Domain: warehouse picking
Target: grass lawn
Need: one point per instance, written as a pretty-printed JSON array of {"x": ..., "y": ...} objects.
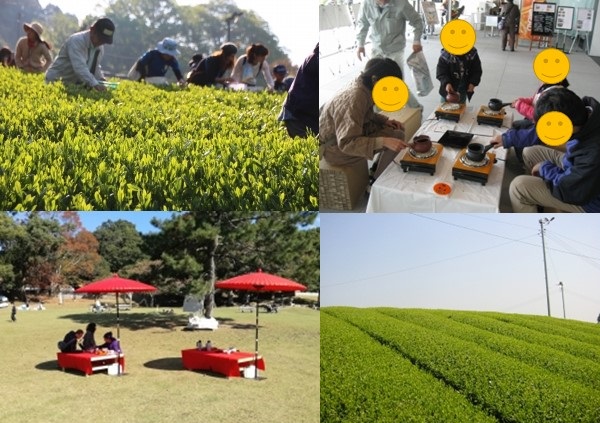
[{"x": 156, "y": 387}]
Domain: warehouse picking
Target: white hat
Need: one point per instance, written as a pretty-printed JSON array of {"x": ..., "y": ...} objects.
[{"x": 168, "y": 46}]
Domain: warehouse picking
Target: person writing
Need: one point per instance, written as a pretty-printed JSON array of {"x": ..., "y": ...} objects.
[
  {"x": 32, "y": 53},
  {"x": 110, "y": 343},
  {"x": 155, "y": 63},
  {"x": 78, "y": 61},
  {"x": 212, "y": 70},
  {"x": 351, "y": 131},
  {"x": 70, "y": 341}
]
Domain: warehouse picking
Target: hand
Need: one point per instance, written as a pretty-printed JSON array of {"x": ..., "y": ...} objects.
[
  {"x": 99, "y": 87},
  {"x": 514, "y": 104},
  {"x": 361, "y": 50},
  {"x": 497, "y": 141},
  {"x": 394, "y": 144},
  {"x": 182, "y": 83},
  {"x": 450, "y": 88},
  {"x": 535, "y": 170},
  {"x": 471, "y": 88},
  {"x": 417, "y": 48},
  {"x": 393, "y": 123}
]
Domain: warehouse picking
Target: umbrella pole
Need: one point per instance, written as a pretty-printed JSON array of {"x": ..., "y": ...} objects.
[
  {"x": 118, "y": 337},
  {"x": 256, "y": 343}
]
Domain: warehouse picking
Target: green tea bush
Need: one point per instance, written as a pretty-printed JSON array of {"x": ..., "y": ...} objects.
[
  {"x": 496, "y": 375},
  {"x": 141, "y": 147}
]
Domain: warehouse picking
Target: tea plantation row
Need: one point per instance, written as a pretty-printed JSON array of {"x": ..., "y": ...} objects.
[
  {"x": 144, "y": 147},
  {"x": 385, "y": 364}
]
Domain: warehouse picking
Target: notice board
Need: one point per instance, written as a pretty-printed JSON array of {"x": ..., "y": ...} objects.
[
  {"x": 564, "y": 17},
  {"x": 585, "y": 19},
  {"x": 430, "y": 12},
  {"x": 542, "y": 20}
]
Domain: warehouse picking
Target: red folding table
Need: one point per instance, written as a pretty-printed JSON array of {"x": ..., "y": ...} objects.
[
  {"x": 88, "y": 363},
  {"x": 228, "y": 364}
]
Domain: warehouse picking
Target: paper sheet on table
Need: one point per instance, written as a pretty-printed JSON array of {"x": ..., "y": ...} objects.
[
  {"x": 444, "y": 126},
  {"x": 486, "y": 131}
]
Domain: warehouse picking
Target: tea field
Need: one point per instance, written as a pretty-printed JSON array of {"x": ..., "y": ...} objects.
[
  {"x": 411, "y": 365},
  {"x": 140, "y": 147}
]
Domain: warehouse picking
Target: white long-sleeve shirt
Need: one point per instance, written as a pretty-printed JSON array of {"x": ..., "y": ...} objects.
[
  {"x": 72, "y": 65},
  {"x": 246, "y": 73}
]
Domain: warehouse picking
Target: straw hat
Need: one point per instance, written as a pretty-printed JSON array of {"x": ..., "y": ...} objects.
[{"x": 35, "y": 27}]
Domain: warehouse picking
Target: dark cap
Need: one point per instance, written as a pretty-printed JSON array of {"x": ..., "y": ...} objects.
[
  {"x": 104, "y": 28},
  {"x": 281, "y": 69},
  {"x": 229, "y": 48}
]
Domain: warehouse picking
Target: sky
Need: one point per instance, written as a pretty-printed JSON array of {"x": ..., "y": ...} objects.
[
  {"x": 462, "y": 262},
  {"x": 294, "y": 22},
  {"x": 141, "y": 219}
]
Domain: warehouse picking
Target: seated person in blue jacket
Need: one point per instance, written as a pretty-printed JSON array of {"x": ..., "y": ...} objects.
[
  {"x": 70, "y": 341},
  {"x": 568, "y": 181},
  {"x": 110, "y": 343},
  {"x": 156, "y": 63}
]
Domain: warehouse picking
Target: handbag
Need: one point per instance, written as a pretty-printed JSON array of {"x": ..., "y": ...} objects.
[
  {"x": 501, "y": 23},
  {"x": 420, "y": 73}
]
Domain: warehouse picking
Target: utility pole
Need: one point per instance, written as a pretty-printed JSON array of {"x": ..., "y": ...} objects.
[
  {"x": 562, "y": 291},
  {"x": 545, "y": 221}
]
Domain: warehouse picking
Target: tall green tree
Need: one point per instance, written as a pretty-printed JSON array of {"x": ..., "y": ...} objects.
[
  {"x": 36, "y": 251},
  {"x": 11, "y": 234},
  {"x": 198, "y": 248},
  {"x": 120, "y": 244}
]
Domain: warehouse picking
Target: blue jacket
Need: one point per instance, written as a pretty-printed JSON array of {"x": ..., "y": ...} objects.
[
  {"x": 578, "y": 181},
  {"x": 152, "y": 63}
]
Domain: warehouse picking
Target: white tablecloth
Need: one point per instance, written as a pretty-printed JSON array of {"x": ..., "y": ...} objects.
[{"x": 412, "y": 191}]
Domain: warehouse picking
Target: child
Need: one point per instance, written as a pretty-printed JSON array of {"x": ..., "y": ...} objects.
[
  {"x": 111, "y": 343},
  {"x": 13, "y": 313},
  {"x": 568, "y": 181},
  {"x": 459, "y": 74}
]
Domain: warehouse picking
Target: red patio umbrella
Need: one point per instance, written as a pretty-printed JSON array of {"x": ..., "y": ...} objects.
[
  {"x": 117, "y": 285},
  {"x": 259, "y": 282}
]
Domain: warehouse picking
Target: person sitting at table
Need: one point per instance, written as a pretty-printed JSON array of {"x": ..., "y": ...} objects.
[
  {"x": 351, "y": 131},
  {"x": 526, "y": 105},
  {"x": 459, "y": 74},
  {"x": 568, "y": 181},
  {"x": 71, "y": 341},
  {"x": 89, "y": 343},
  {"x": 111, "y": 343}
]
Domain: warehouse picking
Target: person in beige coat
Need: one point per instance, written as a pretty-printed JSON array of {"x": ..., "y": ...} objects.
[
  {"x": 350, "y": 130},
  {"x": 32, "y": 52}
]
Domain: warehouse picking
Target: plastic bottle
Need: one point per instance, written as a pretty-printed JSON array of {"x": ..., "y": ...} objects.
[
  {"x": 208, "y": 345},
  {"x": 199, "y": 344}
]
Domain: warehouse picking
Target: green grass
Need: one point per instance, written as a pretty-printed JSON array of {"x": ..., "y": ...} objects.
[
  {"x": 459, "y": 366},
  {"x": 155, "y": 387}
]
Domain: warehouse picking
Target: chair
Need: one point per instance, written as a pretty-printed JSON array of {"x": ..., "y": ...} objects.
[{"x": 340, "y": 188}]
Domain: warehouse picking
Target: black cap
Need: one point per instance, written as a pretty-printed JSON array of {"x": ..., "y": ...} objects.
[
  {"x": 104, "y": 28},
  {"x": 229, "y": 48}
]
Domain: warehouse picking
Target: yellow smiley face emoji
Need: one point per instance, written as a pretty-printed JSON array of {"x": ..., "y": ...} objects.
[
  {"x": 551, "y": 66},
  {"x": 390, "y": 94},
  {"x": 458, "y": 37},
  {"x": 554, "y": 128}
]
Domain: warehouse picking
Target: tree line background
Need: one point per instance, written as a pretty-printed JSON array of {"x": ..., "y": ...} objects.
[
  {"x": 141, "y": 24},
  {"x": 46, "y": 252}
]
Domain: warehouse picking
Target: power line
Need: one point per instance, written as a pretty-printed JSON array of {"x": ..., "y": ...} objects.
[
  {"x": 420, "y": 265},
  {"x": 502, "y": 237}
]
